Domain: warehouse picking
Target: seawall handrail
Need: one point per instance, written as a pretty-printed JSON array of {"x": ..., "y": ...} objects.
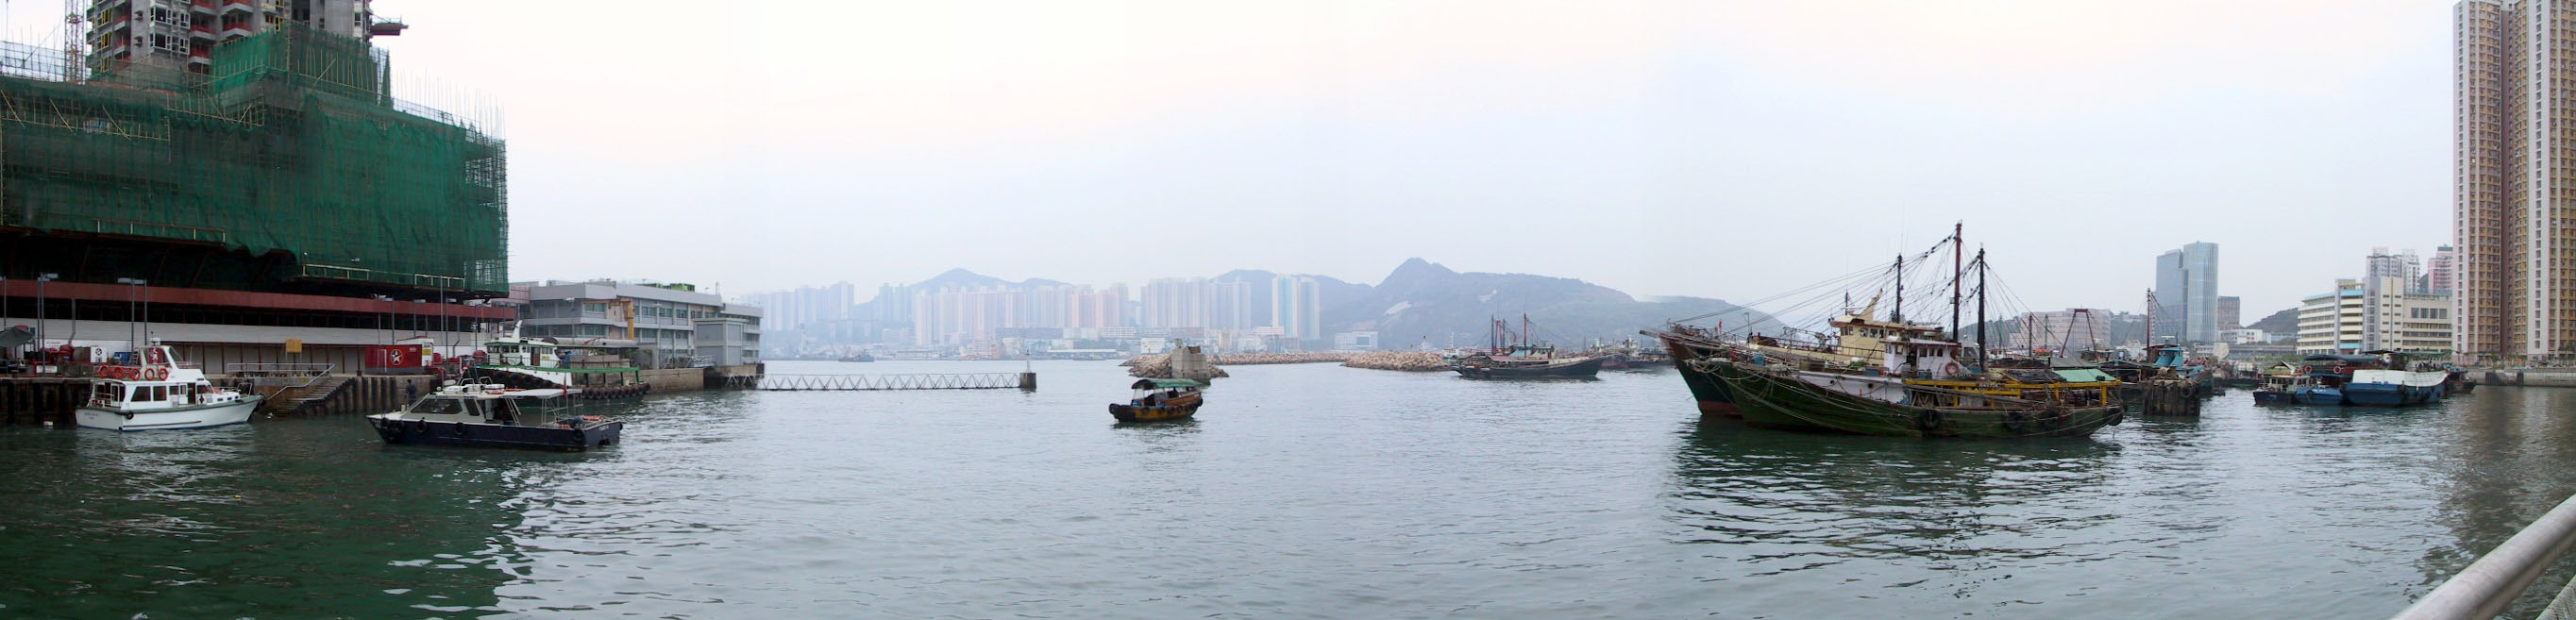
[{"x": 2489, "y": 585}]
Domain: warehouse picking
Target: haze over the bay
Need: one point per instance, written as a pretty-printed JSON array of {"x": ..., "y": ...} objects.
[{"x": 1717, "y": 149}]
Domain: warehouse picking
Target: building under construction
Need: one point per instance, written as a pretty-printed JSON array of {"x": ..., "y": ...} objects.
[{"x": 282, "y": 187}]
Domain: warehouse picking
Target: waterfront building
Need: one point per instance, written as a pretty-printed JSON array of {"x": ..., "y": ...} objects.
[
  {"x": 2072, "y": 329},
  {"x": 1355, "y": 341},
  {"x": 181, "y": 35},
  {"x": 2516, "y": 266},
  {"x": 2187, "y": 294},
  {"x": 2331, "y": 323},
  {"x": 2353, "y": 319},
  {"x": 2243, "y": 336},
  {"x": 663, "y": 317}
]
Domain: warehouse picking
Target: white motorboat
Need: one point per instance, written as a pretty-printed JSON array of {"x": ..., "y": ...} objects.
[{"x": 160, "y": 394}]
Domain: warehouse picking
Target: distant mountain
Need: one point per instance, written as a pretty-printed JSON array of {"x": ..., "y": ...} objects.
[
  {"x": 2283, "y": 322},
  {"x": 958, "y": 278},
  {"x": 1421, "y": 300}
]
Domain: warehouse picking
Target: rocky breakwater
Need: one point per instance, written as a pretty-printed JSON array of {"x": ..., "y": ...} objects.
[{"x": 1408, "y": 361}]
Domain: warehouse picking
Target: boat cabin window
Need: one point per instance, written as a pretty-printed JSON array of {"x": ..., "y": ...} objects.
[
  {"x": 443, "y": 406},
  {"x": 108, "y": 392}
]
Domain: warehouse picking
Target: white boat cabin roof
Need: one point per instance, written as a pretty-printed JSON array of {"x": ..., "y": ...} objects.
[{"x": 490, "y": 391}]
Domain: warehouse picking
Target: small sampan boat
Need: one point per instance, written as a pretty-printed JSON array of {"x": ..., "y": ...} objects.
[{"x": 1160, "y": 399}]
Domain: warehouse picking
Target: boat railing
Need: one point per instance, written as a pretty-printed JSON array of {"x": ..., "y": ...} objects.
[{"x": 2491, "y": 584}]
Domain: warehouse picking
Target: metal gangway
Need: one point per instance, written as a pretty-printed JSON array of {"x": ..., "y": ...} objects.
[
  {"x": 2488, "y": 586},
  {"x": 945, "y": 381},
  {"x": 278, "y": 375}
]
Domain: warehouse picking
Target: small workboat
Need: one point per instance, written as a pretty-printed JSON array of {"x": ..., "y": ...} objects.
[
  {"x": 2277, "y": 390},
  {"x": 160, "y": 394},
  {"x": 1508, "y": 359},
  {"x": 494, "y": 416},
  {"x": 1160, "y": 399}
]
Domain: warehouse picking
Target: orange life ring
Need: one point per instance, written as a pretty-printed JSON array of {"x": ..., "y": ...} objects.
[
  {"x": 1953, "y": 368},
  {"x": 156, "y": 373}
]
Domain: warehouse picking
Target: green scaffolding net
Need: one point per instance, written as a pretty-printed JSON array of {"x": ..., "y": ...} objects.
[{"x": 291, "y": 144}]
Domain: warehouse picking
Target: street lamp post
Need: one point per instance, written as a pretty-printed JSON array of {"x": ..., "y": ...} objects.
[
  {"x": 132, "y": 286},
  {"x": 41, "y": 279}
]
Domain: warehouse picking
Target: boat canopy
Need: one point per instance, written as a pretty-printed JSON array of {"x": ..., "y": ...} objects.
[
  {"x": 2354, "y": 359},
  {"x": 1166, "y": 384},
  {"x": 2085, "y": 375}
]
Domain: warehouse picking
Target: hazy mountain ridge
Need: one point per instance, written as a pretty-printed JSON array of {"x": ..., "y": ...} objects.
[{"x": 1421, "y": 300}]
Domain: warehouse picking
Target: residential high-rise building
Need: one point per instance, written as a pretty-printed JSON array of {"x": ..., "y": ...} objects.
[
  {"x": 2441, "y": 273},
  {"x": 2386, "y": 277},
  {"x": 180, "y": 34},
  {"x": 2187, "y": 294},
  {"x": 1295, "y": 308},
  {"x": 2516, "y": 268},
  {"x": 2385, "y": 264},
  {"x": 805, "y": 306},
  {"x": 2231, "y": 313}
]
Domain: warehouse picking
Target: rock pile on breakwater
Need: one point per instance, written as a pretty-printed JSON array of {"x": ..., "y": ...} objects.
[
  {"x": 1161, "y": 365},
  {"x": 1155, "y": 367},
  {"x": 1248, "y": 359},
  {"x": 1408, "y": 361}
]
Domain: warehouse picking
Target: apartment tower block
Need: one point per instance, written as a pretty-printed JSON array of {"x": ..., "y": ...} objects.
[{"x": 2514, "y": 177}]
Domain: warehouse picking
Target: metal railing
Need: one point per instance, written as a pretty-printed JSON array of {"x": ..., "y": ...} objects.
[
  {"x": 2489, "y": 585},
  {"x": 279, "y": 375},
  {"x": 958, "y": 381}
]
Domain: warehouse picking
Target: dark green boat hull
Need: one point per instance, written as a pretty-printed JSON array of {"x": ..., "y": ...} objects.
[{"x": 1772, "y": 400}]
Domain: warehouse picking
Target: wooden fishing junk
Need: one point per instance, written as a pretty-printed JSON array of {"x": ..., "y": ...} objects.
[{"x": 1890, "y": 376}]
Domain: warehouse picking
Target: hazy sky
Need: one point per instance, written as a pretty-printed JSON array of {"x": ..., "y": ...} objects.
[{"x": 1709, "y": 148}]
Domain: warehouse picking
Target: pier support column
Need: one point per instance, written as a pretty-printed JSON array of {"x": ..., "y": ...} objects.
[{"x": 1029, "y": 381}]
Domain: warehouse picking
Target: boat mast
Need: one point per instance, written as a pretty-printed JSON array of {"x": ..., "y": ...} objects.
[
  {"x": 1957, "y": 273},
  {"x": 1981, "y": 309},
  {"x": 1897, "y": 316}
]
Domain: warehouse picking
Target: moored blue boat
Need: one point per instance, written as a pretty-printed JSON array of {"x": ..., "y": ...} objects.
[{"x": 2380, "y": 379}]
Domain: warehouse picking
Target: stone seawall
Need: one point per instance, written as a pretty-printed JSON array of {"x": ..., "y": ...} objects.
[
  {"x": 676, "y": 380},
  {"x": 2527, "y": 377}
]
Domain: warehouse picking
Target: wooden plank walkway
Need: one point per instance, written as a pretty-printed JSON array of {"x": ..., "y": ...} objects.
[{"x": 853, "y": 383}]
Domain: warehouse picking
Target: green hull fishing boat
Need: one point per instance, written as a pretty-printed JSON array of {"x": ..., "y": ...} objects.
[{"x": 1874, "y": 376}]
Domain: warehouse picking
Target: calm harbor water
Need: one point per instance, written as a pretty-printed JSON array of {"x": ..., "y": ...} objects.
[{"x": 1301, "y": 491}]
